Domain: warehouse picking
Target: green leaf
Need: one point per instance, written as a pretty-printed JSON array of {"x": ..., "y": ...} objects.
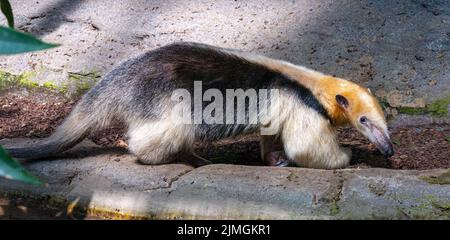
[
  {"x": 447, "y": 138},
  {"x": 12, "y": 41},
  {"x": 7, "y": 11},
  {"x": 11, "y": 169}
]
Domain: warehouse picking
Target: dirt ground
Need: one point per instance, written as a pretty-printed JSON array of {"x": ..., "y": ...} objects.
[{"x": 416, "y": 147}]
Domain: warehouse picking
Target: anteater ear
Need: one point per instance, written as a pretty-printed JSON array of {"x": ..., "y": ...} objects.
[{"x": 342, "y": 101}]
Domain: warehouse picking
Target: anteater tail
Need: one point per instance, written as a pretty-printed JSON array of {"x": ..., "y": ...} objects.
[{"x": 74, "y": 129}]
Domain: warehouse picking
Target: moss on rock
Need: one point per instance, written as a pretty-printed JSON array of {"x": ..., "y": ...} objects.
[
  {"x": 438, "y": 108},
  {"x": 411, "y": 110},
  {"x": 76, "y": 84},
  {"x": 440, "y": 179},
  {"x": 334, "y": 208},
  {"x": 426, "y": 207},
  {"x": 24, "y": 80},
  {"x": 445, "y": 207},
  {"x": 50, "y": 86},
  {"x": 83, "y": 81}
]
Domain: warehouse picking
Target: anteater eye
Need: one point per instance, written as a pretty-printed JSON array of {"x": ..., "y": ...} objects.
[{"x": 363, "y": 120}]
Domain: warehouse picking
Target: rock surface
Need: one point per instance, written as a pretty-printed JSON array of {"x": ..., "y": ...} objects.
[
  {"x": 90, "y": 182},
  {"x": 400, "y": 49}
]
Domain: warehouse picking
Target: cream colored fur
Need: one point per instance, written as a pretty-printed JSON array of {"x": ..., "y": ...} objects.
[
  {"x": 309, "y": 140},
  {"x": 158, "y": 142}
]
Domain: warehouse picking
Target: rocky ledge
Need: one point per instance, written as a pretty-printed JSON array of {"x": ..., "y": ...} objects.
[{"x": 93, "y": 182}]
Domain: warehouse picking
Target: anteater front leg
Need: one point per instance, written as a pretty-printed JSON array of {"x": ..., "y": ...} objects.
[
  {"x": 310, "y": 141},
  {"x": 314, "y": 145}
]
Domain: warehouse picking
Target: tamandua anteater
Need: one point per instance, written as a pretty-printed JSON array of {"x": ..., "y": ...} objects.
[{"x": 139, "y": 92}]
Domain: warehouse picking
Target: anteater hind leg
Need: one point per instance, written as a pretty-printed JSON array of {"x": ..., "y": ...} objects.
[
  {"x": 159, "y": 142},
  {"x": 272, "y": 152}
]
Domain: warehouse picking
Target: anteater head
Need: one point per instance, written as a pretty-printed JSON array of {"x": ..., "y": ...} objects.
[{"x": 364, "y": 112}]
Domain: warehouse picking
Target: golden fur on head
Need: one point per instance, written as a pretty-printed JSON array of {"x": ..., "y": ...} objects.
[
  {"x": 325, "y": 88},
  {"x": 361, "y": 101}
]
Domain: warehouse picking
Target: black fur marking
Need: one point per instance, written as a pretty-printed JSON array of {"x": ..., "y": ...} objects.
[{"x": 305, "y": 95}]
